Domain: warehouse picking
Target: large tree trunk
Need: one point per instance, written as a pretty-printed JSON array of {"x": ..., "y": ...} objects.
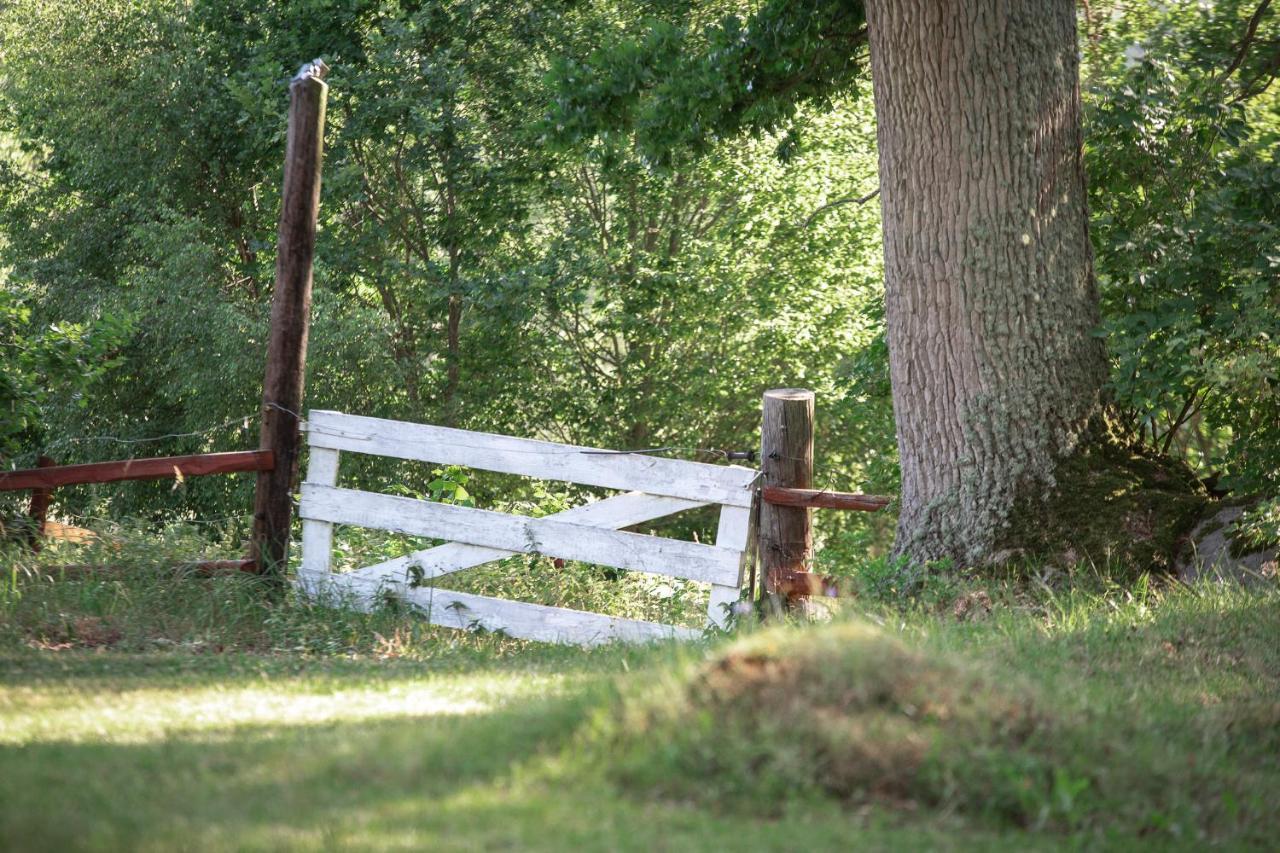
[{"x": 990, "y": 297}]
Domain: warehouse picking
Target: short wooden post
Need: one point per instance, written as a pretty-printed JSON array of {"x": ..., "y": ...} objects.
[
  {"x": 39, "y": 510},
  {"x": 290, "y": 316},
  {"x": 786, "y": 457}
]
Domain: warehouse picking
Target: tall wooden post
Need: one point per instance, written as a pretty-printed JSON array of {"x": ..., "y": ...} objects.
[
  {"x": 786, "y": 457},
  {"x": 39, "y": 510},
  {"x": 290, "y": 315}
]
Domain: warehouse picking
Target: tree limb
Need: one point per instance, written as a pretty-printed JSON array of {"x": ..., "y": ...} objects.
[
  {"x": 851, "y": 200},
  {"x": 1250, "y": 31}
]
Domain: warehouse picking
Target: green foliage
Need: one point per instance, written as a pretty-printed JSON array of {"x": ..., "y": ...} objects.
[
  {"x": 1258, "y": 528},
  {"x": 683, "y": 86},
  {"x": 611, "y": 223},
  {"x": 34, "y": 361},
  {"x": 1186, "y": 223},
  {"x": 465, "y": 274}
]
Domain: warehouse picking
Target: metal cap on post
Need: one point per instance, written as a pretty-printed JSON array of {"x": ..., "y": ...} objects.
[
  {"x": 290, "y": 315},
  {"x": 786, "y": 460}
]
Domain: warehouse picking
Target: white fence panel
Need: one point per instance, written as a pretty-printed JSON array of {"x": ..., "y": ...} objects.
[
  {"x": 591, "y": 533},
  {"x": 735, "y": 522},
  {"x": 514, "y": 618},
  {"x": 611, "y": 513}
]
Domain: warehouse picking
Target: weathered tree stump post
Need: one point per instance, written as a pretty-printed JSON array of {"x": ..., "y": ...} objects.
[
  {"x": 290, "y": 316},
  {"x": 786, "y": 458},
  {"x": 39, "y": 510}
]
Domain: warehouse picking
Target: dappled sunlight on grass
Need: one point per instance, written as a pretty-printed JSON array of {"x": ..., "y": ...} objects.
[
  {"x": 281, "y": 760},
  {"x": 1160, "y": 706},
  {"x": 139, "y": 716}
]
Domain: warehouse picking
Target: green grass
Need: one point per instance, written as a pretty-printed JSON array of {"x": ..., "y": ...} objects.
[
  {"x": 159, "y": 713},
  {"x": 116, "y": 751},
  {"x": 1096, "y": 721}
]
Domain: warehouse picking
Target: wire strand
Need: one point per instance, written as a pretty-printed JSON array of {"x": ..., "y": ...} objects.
[{"x": 63, "y": 442}]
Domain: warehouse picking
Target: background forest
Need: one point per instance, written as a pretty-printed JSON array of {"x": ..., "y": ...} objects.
[
  {"x": 616, "y": 223},
  {"x": 483, "y": 264}
]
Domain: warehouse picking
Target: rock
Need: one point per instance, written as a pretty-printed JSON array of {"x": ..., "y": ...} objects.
[{"x": 1208, "y": 553}]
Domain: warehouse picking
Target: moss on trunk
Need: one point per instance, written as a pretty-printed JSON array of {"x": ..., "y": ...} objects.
[{"x": 1122, "y": 508}]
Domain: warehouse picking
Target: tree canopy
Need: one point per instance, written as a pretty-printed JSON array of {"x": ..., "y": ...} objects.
[{"x": 613, "y": 223}]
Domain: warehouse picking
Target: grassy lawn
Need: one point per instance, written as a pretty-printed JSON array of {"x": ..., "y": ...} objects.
[
  {"x": 119, "y": 751},
  {"x": 1165, "y": 712}
]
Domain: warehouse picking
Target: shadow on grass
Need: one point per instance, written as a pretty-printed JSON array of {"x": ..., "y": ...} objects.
[
  {"x": 164, "y": 669},
  {"x": 508, "y": 779},
  {"x": 269, "y": 786}
]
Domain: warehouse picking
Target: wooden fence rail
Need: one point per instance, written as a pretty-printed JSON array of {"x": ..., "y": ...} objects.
[
  {"x": 47, "y": 477},
  {"x": 197, "y": 465},
  {"x": 823, "y": 499}
]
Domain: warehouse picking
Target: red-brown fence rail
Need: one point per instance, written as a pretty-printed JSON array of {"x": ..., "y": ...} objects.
[
  {"x": 49, "y": 476},
  {"x": 197, "y": 465},
  {"x": 822, "y": 499}
]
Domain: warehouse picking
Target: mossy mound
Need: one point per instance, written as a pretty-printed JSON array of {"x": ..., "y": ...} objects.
[
  {"x": 842, "y": 710},
  {"x": 1118, "y": 507}
]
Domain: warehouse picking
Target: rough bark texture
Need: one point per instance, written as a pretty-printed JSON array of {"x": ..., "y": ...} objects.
[
  {"x": 786, "y": 459},
  {"x": 990, "y": 296},
  {"x": 290, "y": 318}
]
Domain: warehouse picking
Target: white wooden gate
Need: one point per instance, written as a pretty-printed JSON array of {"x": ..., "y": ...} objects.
[{"x": 653, "y": 487}]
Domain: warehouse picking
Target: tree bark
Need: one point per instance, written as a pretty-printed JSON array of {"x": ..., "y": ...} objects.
[
  {"x": 990, "y": 297},
  {"x": 282, "y": 385},
  {"x": 786, "y": 459}
]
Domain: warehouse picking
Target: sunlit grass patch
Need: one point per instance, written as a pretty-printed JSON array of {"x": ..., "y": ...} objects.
[{"x": 142, "y": 715}]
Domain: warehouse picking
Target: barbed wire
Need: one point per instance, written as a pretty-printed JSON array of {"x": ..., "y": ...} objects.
[
  {"x": 726, "y": 455},
  {"x": 271, "y": 404},
  {"x": 243, "y": 420},
  {"x": 27, "y": 458}
]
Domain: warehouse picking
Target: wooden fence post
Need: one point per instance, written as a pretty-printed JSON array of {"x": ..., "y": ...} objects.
[
  {"x": 786, "y": 458},
  {"x": 39, "y": 510},
  {"x": 290, "y": 315}
]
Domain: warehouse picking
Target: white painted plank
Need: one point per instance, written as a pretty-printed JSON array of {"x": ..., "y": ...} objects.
[
  {"x": 722, "y": 598},
  {"x": 611, "y": 514},
  {"x": 696, "y": 481},
  {"x": 566, "y": 539},
  {"x": 731, "y": 533},
  {"x": 317, "y": 536},
  {"x": 517, "y": 619},
  {"x": 734, "y": 526}
]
